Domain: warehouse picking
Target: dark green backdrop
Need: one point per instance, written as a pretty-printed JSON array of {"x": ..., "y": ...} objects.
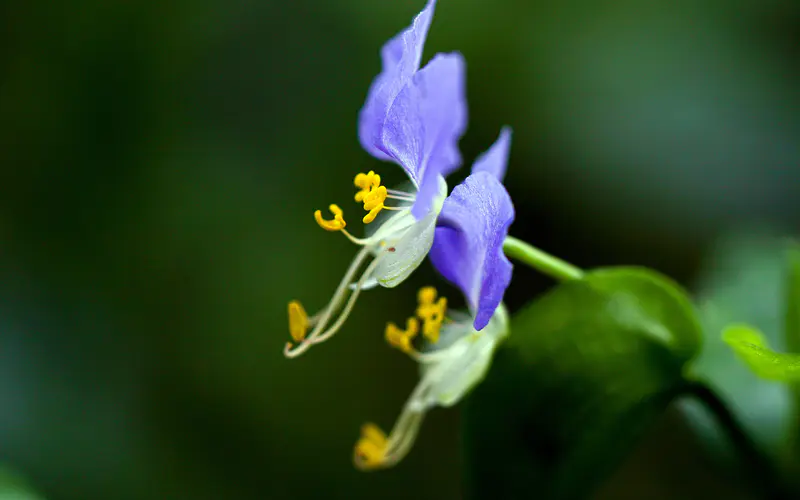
[{"x": 160, "y": 163}]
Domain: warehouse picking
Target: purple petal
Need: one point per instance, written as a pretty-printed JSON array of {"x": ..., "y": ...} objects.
[
  {"x": 495, "y": 159},
  {"x": 426, "y": 120},
  {"x": 401, "y": 59},
  {"x": 416, "y": 117},
  {"x": 468, "y": 244},
  {"x": 440, "y": 90}
]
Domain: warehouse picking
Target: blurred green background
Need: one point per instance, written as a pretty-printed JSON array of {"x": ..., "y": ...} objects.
[{"x": 161, "y": 162}]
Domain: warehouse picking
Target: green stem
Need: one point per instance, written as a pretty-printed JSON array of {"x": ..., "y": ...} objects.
[
  {"x": 759, "y": 466},
  {"x": 541, "y": 261}
]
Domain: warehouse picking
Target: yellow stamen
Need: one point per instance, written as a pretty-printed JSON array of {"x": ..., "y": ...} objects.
[
  {"x": 365, "y": 182},
  {"x": 426, "y": 295},
  {"x": 373, "y": 202},
  {"x": 371, "y": 193},
  {"x": 431, "y": 312},
  {"x": 298, "y": 321},
  {"x": 401, "y": 339},
  {"x": 335, "y": 224},
  {"x": 323, "y": 329},
  {"x": 376, "y": 450},
  {"x": 370, "y": 450}
]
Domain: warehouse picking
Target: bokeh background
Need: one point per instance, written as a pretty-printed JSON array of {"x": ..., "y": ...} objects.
[{"x": 161, "y": 161}]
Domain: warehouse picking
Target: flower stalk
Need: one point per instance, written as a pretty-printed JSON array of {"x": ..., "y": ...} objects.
[{"x": 540, "y": 260}]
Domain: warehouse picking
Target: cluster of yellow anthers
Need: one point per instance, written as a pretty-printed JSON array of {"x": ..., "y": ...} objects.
[
  {"x": 374, "y": 449},
  {"x": 430, "y": 309},
  {"x": 432, "y": 313},
  {"x": 371, "y": 194}
]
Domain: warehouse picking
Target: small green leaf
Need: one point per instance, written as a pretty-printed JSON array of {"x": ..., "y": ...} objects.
[
  {"x": 752, "y": 348},
  {"x": 587, "y": 368}
]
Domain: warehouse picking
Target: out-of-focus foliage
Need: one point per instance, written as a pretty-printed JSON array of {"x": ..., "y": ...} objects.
[
  {"x": 753, "y": 348},
  {"x": 744, "y": 282},
  {"x": 793, "y": 344},
  {"x": 13, "y": 487},
  {"x": 765, "y": 288},
  {"x": 754, "y": 351},
  {"x": 589, "y": 367}
]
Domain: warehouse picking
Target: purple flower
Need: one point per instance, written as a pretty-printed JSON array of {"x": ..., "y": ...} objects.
[
  {"x": 415, "y": 117},
  {"x": 473, "y": 224},
  {"x": 468, "y": 251},
  {"x": 412, "y": 117}
]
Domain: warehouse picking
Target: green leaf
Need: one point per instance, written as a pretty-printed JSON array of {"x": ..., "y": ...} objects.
[
  {"x": 587, "y": 368},
  {"x": 752, "y": 348}
]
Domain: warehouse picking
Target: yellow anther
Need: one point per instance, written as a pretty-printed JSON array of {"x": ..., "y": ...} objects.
[
  {"x": 370, "y": 450},
  {"x": 430, "y": 309},
  {"x": 375, "y": 204},
  {"x": 375, "y": 198},
  {"x": 372, "y": 214},
  {"x": 365, "y": 182},
  {"x": 371, "y": 193},
  {"x": 401, "y": 339},
  {"x": 335, "y": 224},
  {"x": 426, "y": 295},
  {"x": 431, "y": 312},
  {"x": 298, "y": 321}
]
